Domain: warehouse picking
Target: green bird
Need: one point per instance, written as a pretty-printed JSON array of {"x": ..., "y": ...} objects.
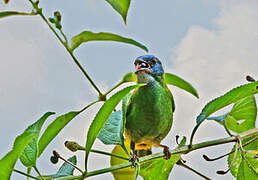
[{"x": 149, "y": 114}]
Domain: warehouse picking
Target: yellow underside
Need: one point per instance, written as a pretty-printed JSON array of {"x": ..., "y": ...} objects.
[{"x": 143, "y": 144}]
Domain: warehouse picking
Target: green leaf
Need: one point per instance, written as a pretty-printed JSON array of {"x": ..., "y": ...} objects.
[
  {"x": 156, "y": 169},
  {"x": 239, "y": 160},
  {"x": 159, "y": 168},
  {"x": 244, "y": 110},
  {"x": 9, "y": 160},
  {"x": 102, "y": 116},
  {"x": 66, "y": 169},
  {"x": 230, "y": 97},
  {"x": 54, "y": 128},
  {"x": 12, "y": 13},
  {"x": 87, "y": 36},
  {"x": 247, "y": 169},
  {"x": 125, "y": 173},
  {"x": 30, "y": 153},
  {"x": 180, "y": 83},
  {"x": 129, "y": 77},
  {"x": 121, "y": 6},
  {"x": 170, "y": 79},
  {"x": 112, "y": 132}
]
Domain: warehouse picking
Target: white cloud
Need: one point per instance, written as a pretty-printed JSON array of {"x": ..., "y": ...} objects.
[
  {"x": 215, "y": 61},
  {"x": 222, "y": 57}
]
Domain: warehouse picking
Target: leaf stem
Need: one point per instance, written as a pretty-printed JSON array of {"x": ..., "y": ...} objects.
[
  {"x": 109, "y": 154},
  {"x": 28, "y": 172},
  {"x": 36, "y": 169},
  {"x": 86, "y": 107},
  {"x": 180, "y": 163},
  {"x": 25, "y": 174},
  {"x": 39, "y": 11},
  {"x": 217, "y": 158},
  {"x": 116, "y": 86}
]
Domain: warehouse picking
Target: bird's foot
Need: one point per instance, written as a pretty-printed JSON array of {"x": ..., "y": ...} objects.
[
  {"x": 167, "y": 154},
  {"x": 133, "y": 159}
]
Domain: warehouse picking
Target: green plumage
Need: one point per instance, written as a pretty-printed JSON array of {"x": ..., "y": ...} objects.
[{"x": 149, "y": 114}]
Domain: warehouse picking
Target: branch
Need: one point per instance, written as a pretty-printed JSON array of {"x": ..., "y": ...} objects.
[
  {"x": 182, "y": 150},
  {"x": 64, "y": 43}
]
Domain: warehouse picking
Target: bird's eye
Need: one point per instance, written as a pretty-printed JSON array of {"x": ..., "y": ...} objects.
[{"x": 144, "y": 65}]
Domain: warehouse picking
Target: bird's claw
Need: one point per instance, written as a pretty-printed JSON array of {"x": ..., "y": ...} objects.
[
  {"x": 167, "y": 154},
  {"x": 133, "y": 159}
]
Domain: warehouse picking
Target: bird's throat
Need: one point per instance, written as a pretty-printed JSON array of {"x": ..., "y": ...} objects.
[{"x": 144, "y": 78}]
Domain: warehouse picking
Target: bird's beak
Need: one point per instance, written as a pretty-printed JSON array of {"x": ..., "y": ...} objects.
[{"x": 141, "y": 66}]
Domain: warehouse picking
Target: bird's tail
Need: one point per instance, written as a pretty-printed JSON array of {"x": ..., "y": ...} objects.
[{"x": 143, "y": 152}]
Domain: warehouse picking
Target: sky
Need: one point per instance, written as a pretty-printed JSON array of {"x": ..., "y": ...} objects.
[{"x": 212, "y": 44}]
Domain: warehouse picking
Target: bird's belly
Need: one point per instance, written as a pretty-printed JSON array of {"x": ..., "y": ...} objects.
[{"x": 150, "y": 118}]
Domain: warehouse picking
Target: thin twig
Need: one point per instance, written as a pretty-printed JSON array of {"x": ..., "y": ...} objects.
[
  {"x": 36, "y": 169},
  {"x": 180, "y": 163},
  {"x": 39, "y": 11},
  {"x": 108, "y": 154},
  {"x": 89, "y": 105},
  {"x": 232, "y": 162},
  {"x": 25, "y": 174},
  {"x": 217, "y": 158},
  {"x": 68, "y": 162}
]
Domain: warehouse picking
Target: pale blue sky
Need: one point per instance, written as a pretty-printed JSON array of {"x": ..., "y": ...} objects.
[{"x": 212, "y": 44}]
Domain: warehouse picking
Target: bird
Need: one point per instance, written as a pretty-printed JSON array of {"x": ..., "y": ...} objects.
[{"x": 149, "y": 113}]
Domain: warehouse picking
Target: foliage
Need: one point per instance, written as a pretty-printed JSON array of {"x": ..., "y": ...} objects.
[
  {"x": 108, "y": 126},
  {"x": 87, "y": 36}
]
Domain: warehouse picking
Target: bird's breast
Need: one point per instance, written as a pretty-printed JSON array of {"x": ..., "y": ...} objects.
[{"x": 150, "y": 114}]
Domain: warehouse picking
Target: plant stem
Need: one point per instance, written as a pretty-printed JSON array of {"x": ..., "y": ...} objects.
[
  {"x": 180, "y": 163},
  {"x": 39, "y": 11},
  {"x": 109, "y": 154},
  {"x": 25, "y": 174},
  {"x": 116, "y": 86},
  {"x": 182, "y": 150},
  {"x": 86, "y": 107},
  {"x": 28, "y": 172},
  {"x": 65, "y": 38},
  {"x": 36, "y": 169}
]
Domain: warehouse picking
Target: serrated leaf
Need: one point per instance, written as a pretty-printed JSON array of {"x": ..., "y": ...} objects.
[
  {"x": 174, "y": 80},
  {"x": 230, "y": 97},
  {"x": 245, "y": 169},
  {"x": 54, "y": 128},
  {"x": 112, "y": 132},
  {"x": 12, "y": 13},
  {"x": 125, "y": 173},
  {"x": 158, "y": 169},
  {"x": 238, "y": 161},
  {"x": 242, "y": 116},
  {"x": 30, "y": 153},
  {"x": 244, "y": 110},
  {"x": 102, "y": 116},
  {"x": 9, "y": 160},
  {"x": 87, "y": 36},
  {"x": 66, "y": 169},
  {"x": 121, "y": 6}
]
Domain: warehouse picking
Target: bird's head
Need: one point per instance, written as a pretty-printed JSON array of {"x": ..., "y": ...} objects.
[{"x": 148, "y": 68}]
